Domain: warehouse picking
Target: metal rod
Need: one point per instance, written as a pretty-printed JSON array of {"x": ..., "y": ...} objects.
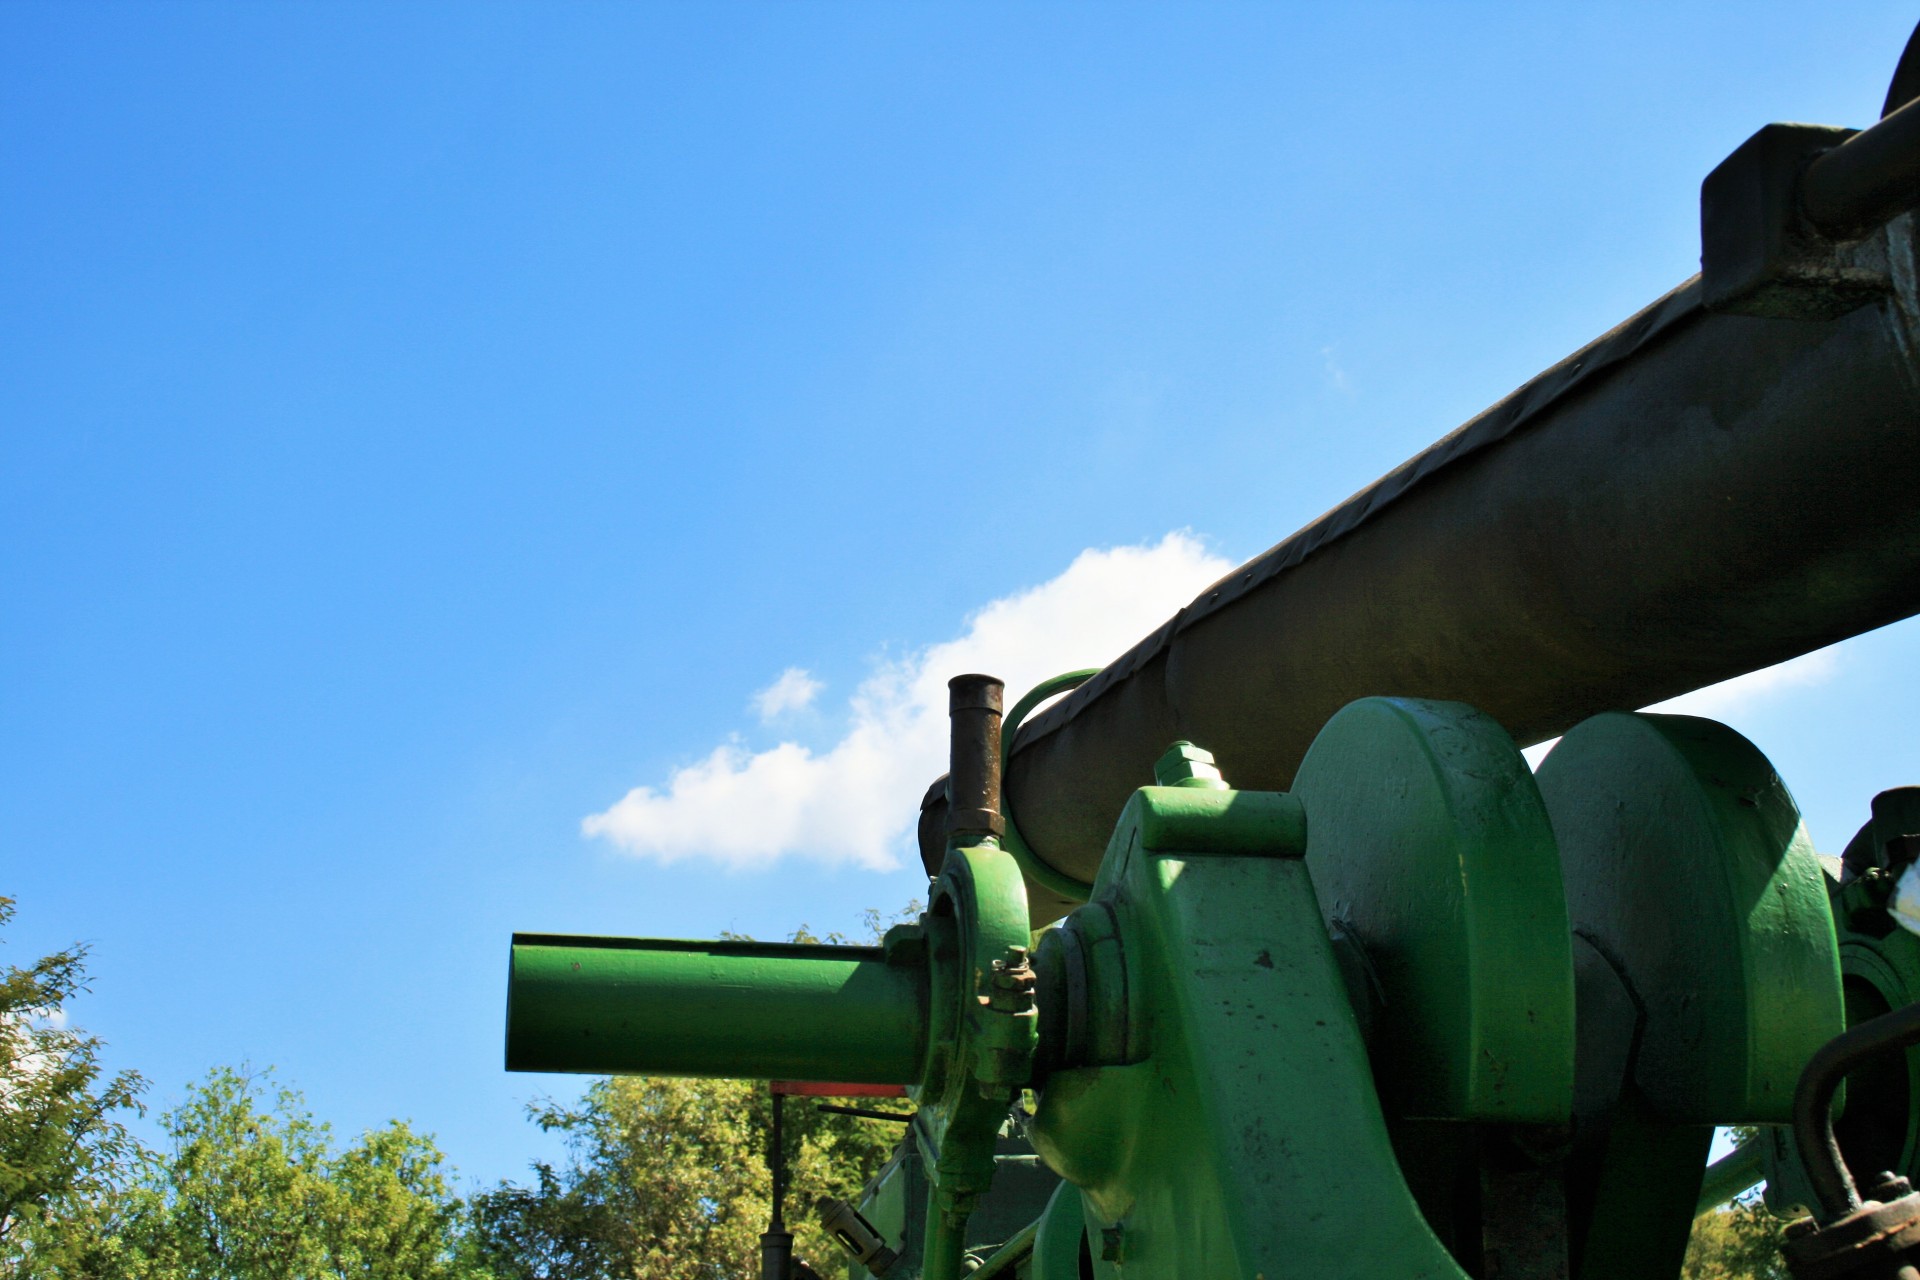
[
  {"x": 776, "y": 1242},
  {"x": 1869, "y": 178},
  {"x": 1001, "y": 1260},
  {"x": 1813, "y": 1133},
  {"x": 865, "y": 1113},
  {"x": 777, "y": 1166},
  {"x": 974, "y": 704},
  {"x": 1732, "y": 1174}
]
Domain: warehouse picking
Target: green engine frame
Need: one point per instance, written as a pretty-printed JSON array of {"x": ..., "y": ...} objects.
[{"x": 1429, "y": 1013}]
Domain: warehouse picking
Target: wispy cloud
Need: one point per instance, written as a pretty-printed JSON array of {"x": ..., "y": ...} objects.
[
  {"x": 793, "y": 691},
  {"x": 856, "y": 800},
  {"x": 1336, "y": 376},
  {"x": 1731, "y": 699}
]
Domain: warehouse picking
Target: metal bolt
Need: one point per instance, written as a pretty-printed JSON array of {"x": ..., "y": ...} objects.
[
  {"x": 1010, "y": 984},
  {"x": 1185, "y": 765}
]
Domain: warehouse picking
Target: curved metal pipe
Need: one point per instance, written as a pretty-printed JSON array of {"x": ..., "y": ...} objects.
[
  {"x": 1827, "y": 1170},
  {"x": 1869, "y": 178}
]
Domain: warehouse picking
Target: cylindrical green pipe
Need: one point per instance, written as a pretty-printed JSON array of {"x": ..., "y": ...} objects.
[{"x": 754, "y": 1010}]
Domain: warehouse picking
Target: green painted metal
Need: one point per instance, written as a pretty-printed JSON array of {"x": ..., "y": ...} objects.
[
  {"x": 749, "y": 1009},
  {"x": 982, "y": 1052},
  {"x": 895, "y": 1203},
  {"x": 1429, "y": 845},
  {"x": 1249, "y": 1141},
  {"x": 1062, "y": 1237},
  {"x": 1205, "y": 820},
  {"x": 1185, "y": 765},
  {"x": 1687, "y": 866},
  {"x": 1311, "y": 1035},
  {"x": 1004, "y": 1260},
  {"x": 1733, "y": 1173}
]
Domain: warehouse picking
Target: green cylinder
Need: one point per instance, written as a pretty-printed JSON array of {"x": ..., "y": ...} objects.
[{"x": 750, "y": 1010}]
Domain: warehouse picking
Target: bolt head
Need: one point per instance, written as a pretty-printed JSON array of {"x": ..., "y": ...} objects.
[{"x": 1185, "y": 765}]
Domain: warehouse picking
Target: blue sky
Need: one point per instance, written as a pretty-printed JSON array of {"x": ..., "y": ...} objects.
[{"x": 425, "y": 425}]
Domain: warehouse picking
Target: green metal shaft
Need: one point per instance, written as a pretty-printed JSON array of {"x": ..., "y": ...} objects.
[
  {"x": 1732, "y": 1174},
  {"x": 647, "y": 1006}
]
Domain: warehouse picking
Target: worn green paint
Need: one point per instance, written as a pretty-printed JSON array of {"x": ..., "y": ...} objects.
[
  {"x": 1202, "y": 820},
  {"x": 1249, "y": 1141},
  {"x": 745, "y": 1009},
  {"x": 1687, "y": 866},
  {"x": 1220, "y": 1111},
  {"x": 1061, "y": 1238},
  {"x": 981, "y": 1054},
  {"x": 1428, "y": 843}
]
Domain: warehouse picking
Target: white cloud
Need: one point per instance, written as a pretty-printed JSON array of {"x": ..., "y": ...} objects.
[
  {"x": 793, "y": 691},
  {"x": 857, "y": 800},
  {"x": 1731, "y": 699}
]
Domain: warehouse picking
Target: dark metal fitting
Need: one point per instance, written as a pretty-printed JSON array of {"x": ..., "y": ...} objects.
[
  {"x": 1832, "y": 1182},
  {"x": 1011, "y": 983},
  {"x": 1887, "y": 1187},
  {"x": 858, "y": 1237},
  {"x": 1872, "y": 176},
  {"x": 1014, "y": 961},
  {"x": 1760, "y": 253},
  {"x": 1874, "y": 1242},
  {"x": 979, "y": 821},
  {"x": 973, "y": 776},
  {"x": 975, "y": 692},
  {"x": 1896, "y": 827}
]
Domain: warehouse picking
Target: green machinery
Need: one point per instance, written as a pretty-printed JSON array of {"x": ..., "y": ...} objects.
[{"x": 1348, "y": 989}]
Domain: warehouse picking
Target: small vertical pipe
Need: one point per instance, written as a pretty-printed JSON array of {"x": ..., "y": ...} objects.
[
  {"x": 776, "y": 1243},
  {"x": 973, "y": 779}
]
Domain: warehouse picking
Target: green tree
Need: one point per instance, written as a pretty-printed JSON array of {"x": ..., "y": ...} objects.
[
  {"x": 668, "y": 1179},
  {"x": 250, "y": 1188},
  {"x": 1738, "y": 1242},
  {"x": 63, "y": 1148}
]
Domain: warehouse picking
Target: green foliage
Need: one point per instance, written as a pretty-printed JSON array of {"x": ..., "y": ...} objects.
[
  {"x": 251, "y": 1189},
  {"x": 668, "y": 1179},
  {"x": 664, "y": 1178},
  {"x": 62, "y": 1146},
  {"x": 1739, "y": 1242}
]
